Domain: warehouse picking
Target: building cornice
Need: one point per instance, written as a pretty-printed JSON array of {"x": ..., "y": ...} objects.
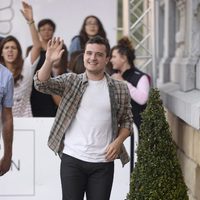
[{"x": 185, "y": 105}]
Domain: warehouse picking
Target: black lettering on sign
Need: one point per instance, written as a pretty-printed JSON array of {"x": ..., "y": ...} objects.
[{"x": 15, "y": 165}]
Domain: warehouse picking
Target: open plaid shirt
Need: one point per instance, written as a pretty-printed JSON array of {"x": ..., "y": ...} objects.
[{"x": 71, "y": 88}]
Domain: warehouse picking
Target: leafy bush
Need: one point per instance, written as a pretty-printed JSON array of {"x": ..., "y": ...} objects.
[{"x": 157, "y": 174}]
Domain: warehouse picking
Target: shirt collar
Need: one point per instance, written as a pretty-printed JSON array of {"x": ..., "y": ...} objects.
[{"x": 108, "y": 78}]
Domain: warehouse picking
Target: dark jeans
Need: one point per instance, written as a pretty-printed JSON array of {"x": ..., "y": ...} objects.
[{"x": 78, "y": 177}]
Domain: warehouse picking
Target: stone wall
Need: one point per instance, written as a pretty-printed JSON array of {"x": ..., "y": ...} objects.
[
  {"x": 188, "y": 143},
  {"x": 179, "y": 82}
]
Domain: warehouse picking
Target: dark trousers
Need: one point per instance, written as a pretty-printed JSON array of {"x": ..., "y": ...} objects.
[{"x": 79, "y": 177}]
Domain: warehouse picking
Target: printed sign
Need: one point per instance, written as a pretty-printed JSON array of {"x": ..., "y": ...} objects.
[
  {"x": 35, "y": 169},
  {"x": 22, "y": 167}
]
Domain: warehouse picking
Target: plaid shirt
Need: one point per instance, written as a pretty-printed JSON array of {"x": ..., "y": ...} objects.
[{"x": 71, "y": 88}]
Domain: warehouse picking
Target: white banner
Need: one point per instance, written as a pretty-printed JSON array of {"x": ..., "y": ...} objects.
[
  {"x": 23, "y": 166},
  {"x": 35, "y": 170}
]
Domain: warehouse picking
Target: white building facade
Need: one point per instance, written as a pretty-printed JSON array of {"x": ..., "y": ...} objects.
[
  {"x": 178, "y": 78},
  {"x": 174, "y": 52}
]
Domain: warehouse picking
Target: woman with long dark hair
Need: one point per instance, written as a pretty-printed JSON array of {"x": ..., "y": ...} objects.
[
  {"x": 22, "y": 69},
  {"x": 91, "y": 27}
]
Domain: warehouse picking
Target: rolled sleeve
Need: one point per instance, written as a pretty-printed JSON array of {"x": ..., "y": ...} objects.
[
  {"x": 52, "y": 86},
  {"x": 41, "y": 86},
  {"x": 126, "y": 120}
]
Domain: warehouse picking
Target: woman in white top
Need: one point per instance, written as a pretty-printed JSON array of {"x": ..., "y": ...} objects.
[{"x": 23, "y": 70}]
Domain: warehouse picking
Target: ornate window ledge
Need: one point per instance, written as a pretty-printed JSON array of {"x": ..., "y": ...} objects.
[{"x": 185, "y": 105}]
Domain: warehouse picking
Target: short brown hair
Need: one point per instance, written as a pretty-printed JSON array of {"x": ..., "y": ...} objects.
[{"x": 100, "y": 40}]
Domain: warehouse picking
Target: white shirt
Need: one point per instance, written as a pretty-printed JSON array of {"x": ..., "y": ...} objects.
[
  {"x": 91, "y": 130},
  {"x": 22, "y": 91}
]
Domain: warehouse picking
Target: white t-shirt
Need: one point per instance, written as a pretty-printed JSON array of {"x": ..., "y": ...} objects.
[
  {"x": 22, "y": 91},
  {"x": 91, "y": 130}
]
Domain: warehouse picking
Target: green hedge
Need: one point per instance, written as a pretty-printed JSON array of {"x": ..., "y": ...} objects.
[{"x": 157, "y": 174}]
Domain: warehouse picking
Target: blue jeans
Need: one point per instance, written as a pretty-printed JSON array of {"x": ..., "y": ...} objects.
[{"x": 79, "y": 177}]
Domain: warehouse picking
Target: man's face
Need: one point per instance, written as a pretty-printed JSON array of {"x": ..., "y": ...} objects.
[{"x": 95, "y": 58}]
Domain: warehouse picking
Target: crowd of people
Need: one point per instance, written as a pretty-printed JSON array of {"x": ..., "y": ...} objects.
[{"x": 95, "y": 94}]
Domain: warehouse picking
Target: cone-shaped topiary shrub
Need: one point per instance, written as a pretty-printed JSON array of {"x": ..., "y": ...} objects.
[{"x": 157, "y": 174}]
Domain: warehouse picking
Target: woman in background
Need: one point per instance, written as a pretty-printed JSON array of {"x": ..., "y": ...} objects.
[
  {"x": 91, "y": 27},
  {"x": 122, "y": 59},
  {"x": 23, "y": 70},
  {"x": 45, "y": 105},
  {"x": 76, "y": 63}
]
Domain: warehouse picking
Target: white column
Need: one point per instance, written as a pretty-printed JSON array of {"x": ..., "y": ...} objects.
[
  {"x": 154, "y": 5},
  {"x": 126, "y": 26}
]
